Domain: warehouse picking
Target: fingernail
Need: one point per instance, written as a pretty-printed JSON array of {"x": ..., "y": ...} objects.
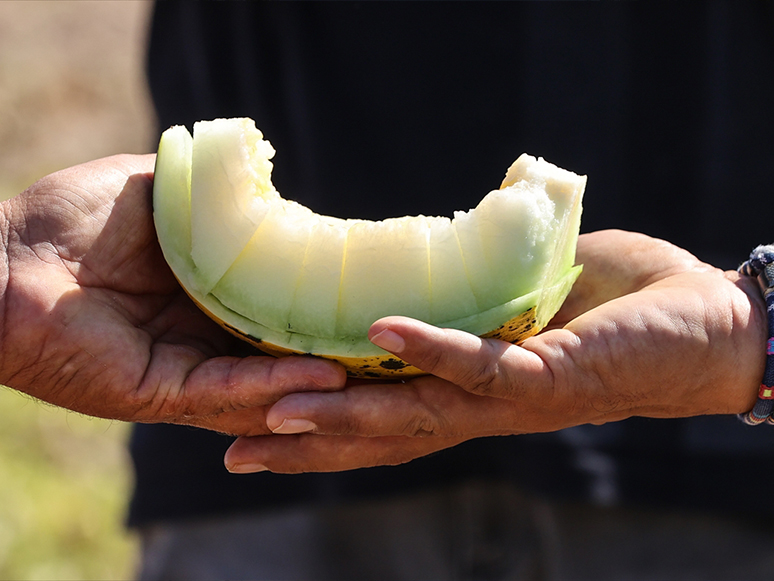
[
  {"x": 294, "y": 426},
  {"x": 246, "y": 468},
  {"x": 389, "y": 341}
]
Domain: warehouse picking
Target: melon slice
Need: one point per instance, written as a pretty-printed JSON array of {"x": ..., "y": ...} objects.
[
  {"x": 315, "y": 306},
  {"x": 451, "y": 296},
  {"x": 231, "y": 193},
  {"x": 257, "y": 282},
  {"x": 385, "y": 272},
  {"x": 291, "y": 281}
]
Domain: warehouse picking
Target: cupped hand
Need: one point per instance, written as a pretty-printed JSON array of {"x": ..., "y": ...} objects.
[
  {"x": 93, "y": 320},
  {"x": 648, "y": 330}
]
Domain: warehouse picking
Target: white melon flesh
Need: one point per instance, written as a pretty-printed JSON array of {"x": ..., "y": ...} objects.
[
  {"x": 290, "y": 280},
  {"x": 316, "y": 296},
  {"x": 450, "y": 294},
  {"x": 524, "y": 221},
  {"x": 231, "y": 192},
  {"x": 385, "y": 273},
  {"x": 260, "y": 282}
]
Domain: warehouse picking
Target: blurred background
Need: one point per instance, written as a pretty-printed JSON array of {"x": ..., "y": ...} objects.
[{"x": 72, "y": 89}]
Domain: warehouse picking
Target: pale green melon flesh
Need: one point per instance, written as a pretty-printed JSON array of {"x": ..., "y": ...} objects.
[
  {"x": 172, "y": 202},
  {"x": 257, "y": 282},
  {"x": 316, "y": 298},
  {"x": 450, "y": 294},
  {"x": 230, "y": 194},
  {"x": 385, "y": 273},
  {"x": 314, "y": 284}
]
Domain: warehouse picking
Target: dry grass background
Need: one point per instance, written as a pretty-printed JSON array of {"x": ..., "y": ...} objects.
[
  {"x": 71, "y": 89},
  {"x": 71, "y": 85}
]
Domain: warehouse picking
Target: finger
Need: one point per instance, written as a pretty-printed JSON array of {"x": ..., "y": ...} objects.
[
  {"x": 182, "y": 384},
  {"x": 310, "y": 453},
  {"x": 426, "y": 406},
  {"x": 244, "y": 422},
  {"x": 481, "y": 366},
  {"x": 232, "y": 383},
  {"x": 478, "y": 388}
]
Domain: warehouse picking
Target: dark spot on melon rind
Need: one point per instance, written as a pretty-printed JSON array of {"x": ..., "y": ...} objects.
[
  {"x": 239, "y": 333},
  {"x": 517, "y": 329},
  {"x": 393, "y": 364}
]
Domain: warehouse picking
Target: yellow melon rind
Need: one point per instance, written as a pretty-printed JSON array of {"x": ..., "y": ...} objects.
[{"x": 381, "y": 366}]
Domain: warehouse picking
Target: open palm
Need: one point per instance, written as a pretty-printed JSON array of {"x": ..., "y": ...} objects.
[
  {"x": 93, "y": 319},
  {"x": 647, "y": 330}
]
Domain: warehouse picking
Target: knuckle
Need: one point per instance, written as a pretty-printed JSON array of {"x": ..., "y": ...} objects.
[
  {"x": 420, "y": 427},
  {"x": 433, "y": 361},
  {"x": 427, "y": 417},
  {"x": 477, "y": 369},
  {"x": 482, "y": 379}
]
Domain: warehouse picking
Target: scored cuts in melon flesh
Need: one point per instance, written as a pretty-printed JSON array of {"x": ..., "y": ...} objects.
[{"x": 291, "y": 281}]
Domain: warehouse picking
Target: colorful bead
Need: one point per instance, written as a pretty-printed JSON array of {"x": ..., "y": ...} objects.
[{"x": 761, "y": 265}]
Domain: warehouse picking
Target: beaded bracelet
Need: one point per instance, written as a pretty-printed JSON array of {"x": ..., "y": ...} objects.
[{"x": 761, "y": 265}]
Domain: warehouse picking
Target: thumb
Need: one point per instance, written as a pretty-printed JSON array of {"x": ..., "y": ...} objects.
[
  {"x": 477, "y": 387},
  {"x": 486, "y": 367}
]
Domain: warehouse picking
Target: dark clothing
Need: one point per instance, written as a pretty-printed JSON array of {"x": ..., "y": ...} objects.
[{"x": 381, "y": 109}]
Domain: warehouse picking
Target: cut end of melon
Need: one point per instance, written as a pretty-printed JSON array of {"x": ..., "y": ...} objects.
[{"x": 291, "y": 281}]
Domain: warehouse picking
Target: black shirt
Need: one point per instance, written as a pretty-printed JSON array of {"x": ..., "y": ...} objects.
[{"x": 382, "y": 109}]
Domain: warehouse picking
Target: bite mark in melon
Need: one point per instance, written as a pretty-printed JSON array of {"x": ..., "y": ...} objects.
[{"x": 291, "y": 281}]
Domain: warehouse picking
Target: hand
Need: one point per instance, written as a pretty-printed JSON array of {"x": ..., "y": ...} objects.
[
  {"x": 93, "y": 320},
  {"x": 648, "y": 330}
]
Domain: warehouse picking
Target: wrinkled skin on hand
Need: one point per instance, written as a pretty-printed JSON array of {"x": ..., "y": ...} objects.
[
  {"x": 93, "y": 319},
  {"x": 648, "y": 330}
]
